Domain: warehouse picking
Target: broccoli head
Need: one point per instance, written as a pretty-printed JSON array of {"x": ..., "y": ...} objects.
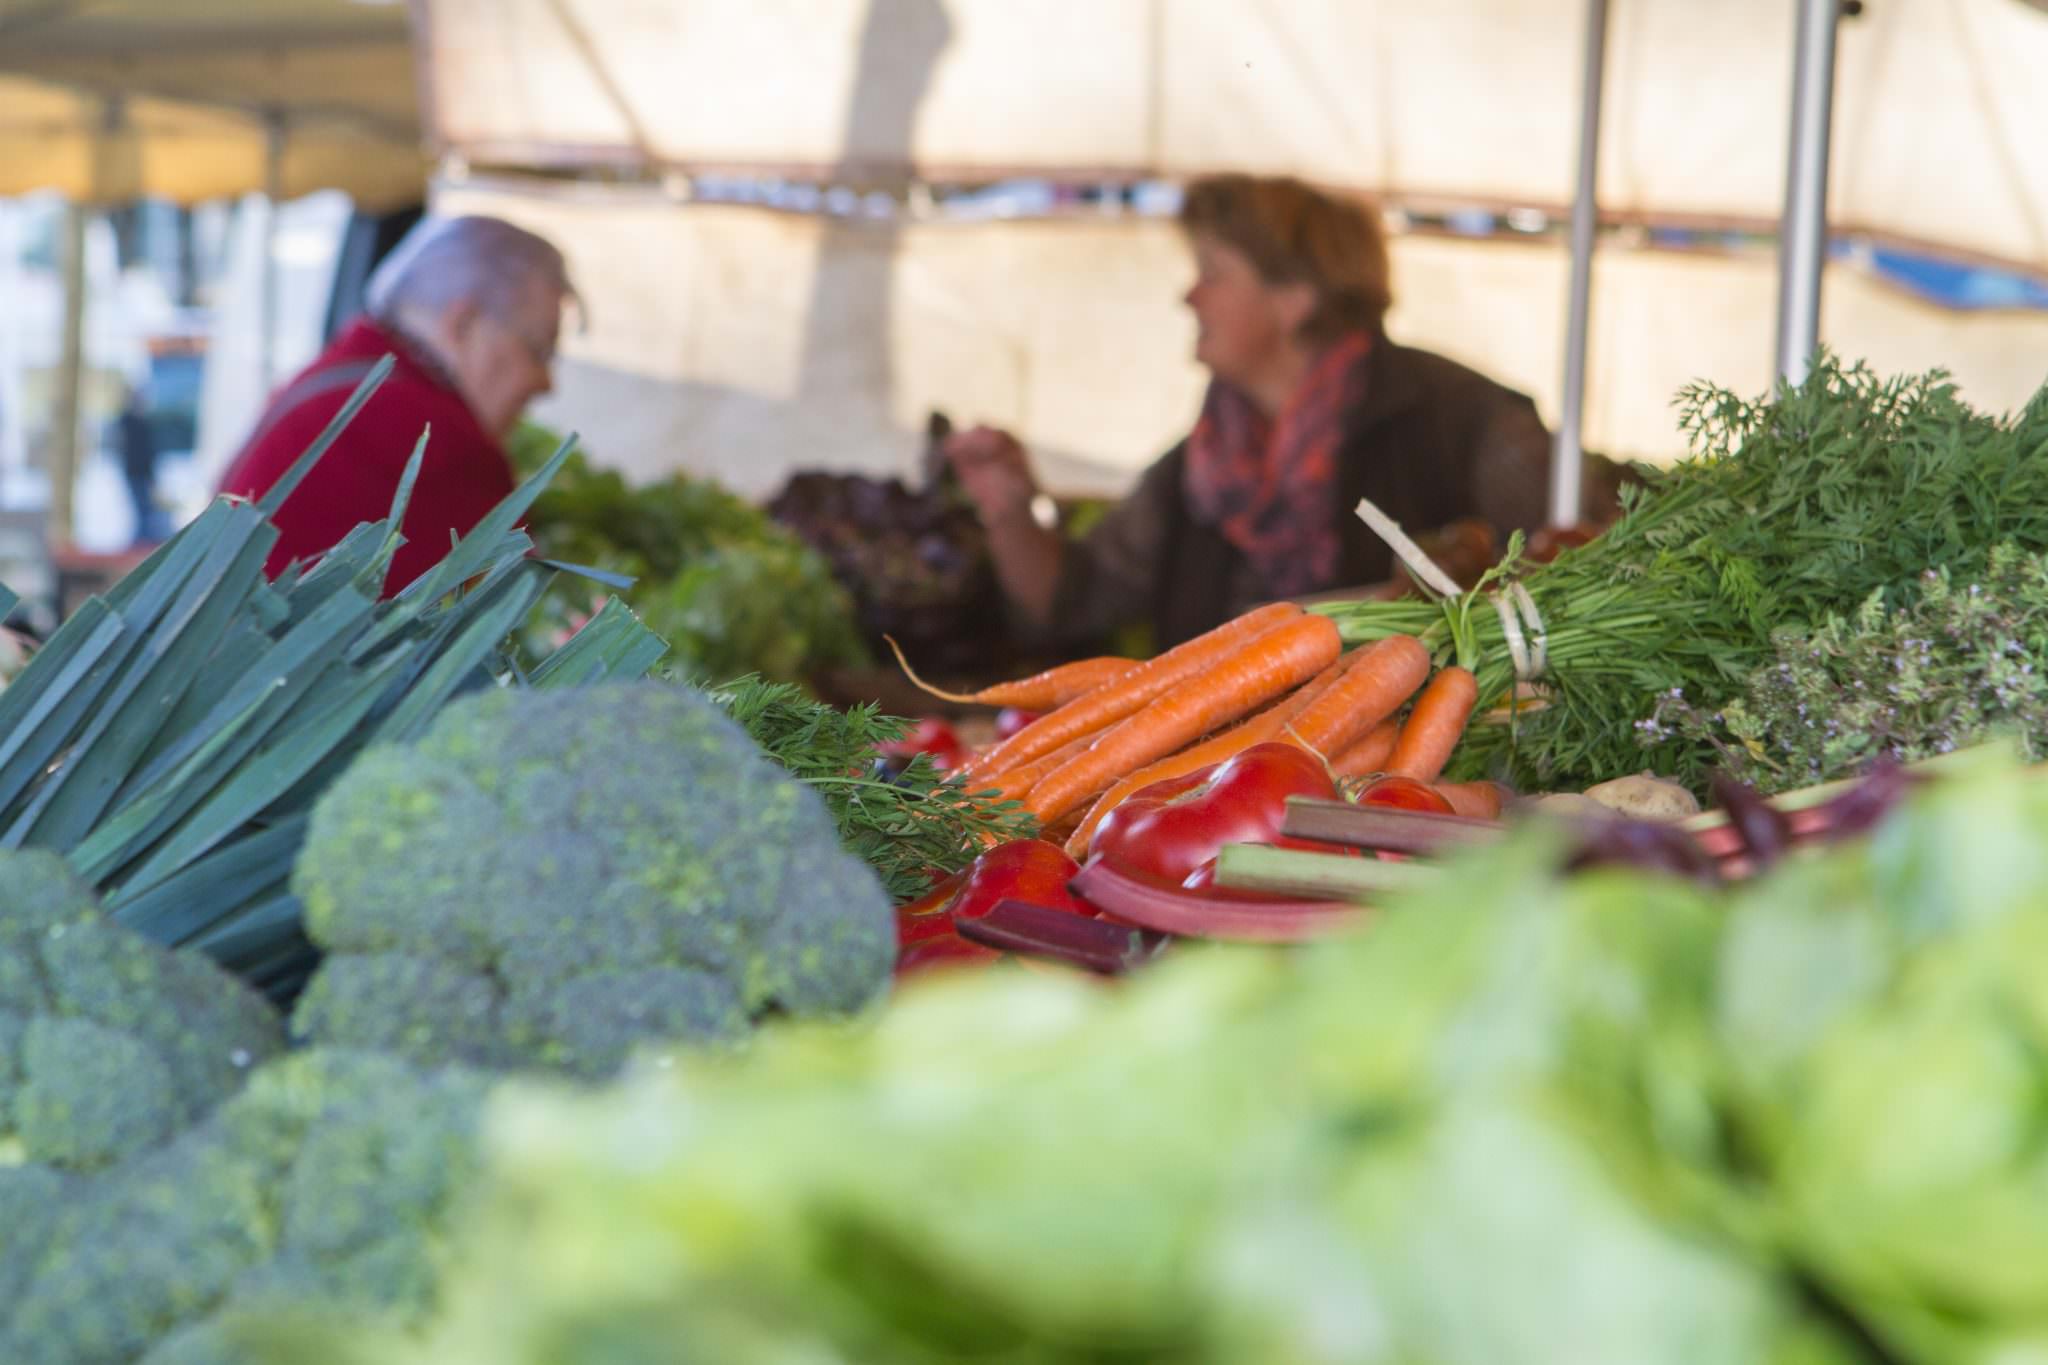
[
  {"x": 109, "y": 1043},
  {"x": 554, "y": 877},
  {"x": 324, "y": 1187}
]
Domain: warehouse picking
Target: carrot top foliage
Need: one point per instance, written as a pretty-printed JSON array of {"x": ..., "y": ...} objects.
[{"x": 1791, "y": 508}]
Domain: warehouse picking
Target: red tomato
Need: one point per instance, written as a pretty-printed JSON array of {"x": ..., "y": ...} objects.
[
  {"x": 1171, "y": 828},
  {"x": 929, "y": 736},
  {"x": 1010, "y": 720},
  {"x": 1404, "y": 793}
]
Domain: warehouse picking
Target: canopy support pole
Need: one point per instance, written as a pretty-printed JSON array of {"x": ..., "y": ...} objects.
[
  {"x": 1567, "y": 456},
  {"x": 1803, "y": 240},
  {"x": 13, "y": 426},
  {"x": 69, "y": 419},
  {"x": 273, "y": 193}
]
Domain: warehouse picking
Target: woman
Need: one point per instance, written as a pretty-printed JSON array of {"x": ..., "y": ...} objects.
[{"x": 1310, "y": 407}]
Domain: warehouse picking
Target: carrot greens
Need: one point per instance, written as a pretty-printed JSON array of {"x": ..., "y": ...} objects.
[{"x": 1793, "y": 507}]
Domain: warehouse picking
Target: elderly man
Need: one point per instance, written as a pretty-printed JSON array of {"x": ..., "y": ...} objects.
[{"x": 471, "y": 308}]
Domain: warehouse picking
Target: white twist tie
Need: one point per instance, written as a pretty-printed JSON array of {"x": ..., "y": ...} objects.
[{"x": 1520, "y": 622}]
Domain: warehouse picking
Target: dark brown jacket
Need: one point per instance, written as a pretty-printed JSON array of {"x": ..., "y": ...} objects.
[{"x": 1431, "y": 442}]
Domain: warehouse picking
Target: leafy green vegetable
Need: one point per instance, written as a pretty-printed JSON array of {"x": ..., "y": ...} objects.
[
  {"x": 1793, "y": 507},
  {"x": 1881, "y": 1010},
  {"x": 729, "y": 590},
  {"x": 1915, "y": 672},
  {"x": 904, "y": 827}
]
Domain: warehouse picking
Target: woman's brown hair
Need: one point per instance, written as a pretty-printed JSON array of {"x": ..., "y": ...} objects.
[{"x": 1294, "y": 233}]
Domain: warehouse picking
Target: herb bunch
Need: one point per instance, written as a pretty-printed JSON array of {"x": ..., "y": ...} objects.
[
  {"x": 1792, "y": 507},
  {"x": 904, "y": 826},
  {"x": 1907, "y": 676}
]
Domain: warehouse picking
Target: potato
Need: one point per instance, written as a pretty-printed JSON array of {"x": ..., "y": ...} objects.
[{"x": 1645, "y": 796}]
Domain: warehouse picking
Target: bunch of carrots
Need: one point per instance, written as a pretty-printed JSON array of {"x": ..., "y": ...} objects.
[{"x": 1111, "y": 726}]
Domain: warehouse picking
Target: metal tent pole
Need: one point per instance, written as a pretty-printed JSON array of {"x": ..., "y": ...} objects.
[
  {"x": 13, "y": 426},
  {"x": 1803, "y": 240},
  {"x": 68, "y": 433},
  {"x": 273, "y": 193},
  {"x": 1567, "y": 458}
]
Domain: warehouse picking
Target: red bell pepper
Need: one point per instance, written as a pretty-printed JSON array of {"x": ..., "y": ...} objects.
[
  {"x": 1023, "y": 870},
  {"x": 1171, "y": 828},
  {"x": 928, "y": 736},
  {"x": 1404, "y": 793},
  {"x": 1030, "y": 870}
]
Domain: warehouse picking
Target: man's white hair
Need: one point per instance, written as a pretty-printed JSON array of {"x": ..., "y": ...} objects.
[{"x": 472, "y": 259}]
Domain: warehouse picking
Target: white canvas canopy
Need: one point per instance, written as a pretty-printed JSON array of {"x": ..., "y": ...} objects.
[
  {"x": 107, "y": 100},
  {"x": 1939, "y": 104}
]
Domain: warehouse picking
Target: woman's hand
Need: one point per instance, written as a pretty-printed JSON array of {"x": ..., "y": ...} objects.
[
  {"x": 997, "y": 477},
  {"x": 994, "y": 473}
]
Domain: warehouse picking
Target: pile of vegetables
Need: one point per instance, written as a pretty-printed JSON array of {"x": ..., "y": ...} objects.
[
  {"x": 730, "y": 591},
  {"x": 1532, "y": 1115},
  {"x": 484, "y": 863},
  {"x": 170, "y": 739},
  {"x": 1145, "y": 771},
  {"x": 1111, "y": 726},
  {"x": 588, "y": 1067},
  {"x": 1794, "y": 508}
]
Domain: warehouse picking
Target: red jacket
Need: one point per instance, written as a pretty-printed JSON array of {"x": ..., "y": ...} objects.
[{"x": 464, "y": 475}]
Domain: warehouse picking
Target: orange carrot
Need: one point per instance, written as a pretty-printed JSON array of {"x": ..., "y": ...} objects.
[
  {"x": 1015, "y": 784},
  {"x": 1260, "y": 668},
  {"x": 1039, "y": 692},
  {"x": 1380, "y": 677},
  {"x": 1479, "y": 800},
  {"x": 1113, "y": 701},
  {"x": 1368, "y": 755},
  {"x": 1434, "y": 724},
  {"x": 1269, "y": 724}
]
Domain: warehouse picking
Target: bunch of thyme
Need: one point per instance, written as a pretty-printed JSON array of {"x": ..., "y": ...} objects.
[{"x": 1909, "y": 675}]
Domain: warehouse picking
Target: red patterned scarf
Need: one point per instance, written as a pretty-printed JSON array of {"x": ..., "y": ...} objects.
[{"x": 1271, "y": 485}]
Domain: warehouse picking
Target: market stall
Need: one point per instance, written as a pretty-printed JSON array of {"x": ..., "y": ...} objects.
[
  {"x": 342, "y": 917},
  {"x": 1629, "y": 953}
]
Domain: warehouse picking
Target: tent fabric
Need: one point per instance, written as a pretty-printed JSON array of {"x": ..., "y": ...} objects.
[
  {"x": 104, "y": 100},
  {"x": 1938, "y": 103},
  {"x": 743, "y": 343}
]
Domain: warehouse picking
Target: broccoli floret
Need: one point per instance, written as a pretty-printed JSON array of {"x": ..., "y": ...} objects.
[
  {"x": 326, "y": 1184},
  {"x": 108, "y": 1043},
  {"x": 555, "y": 877},
  {"x": 31, "y": 1200}
]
